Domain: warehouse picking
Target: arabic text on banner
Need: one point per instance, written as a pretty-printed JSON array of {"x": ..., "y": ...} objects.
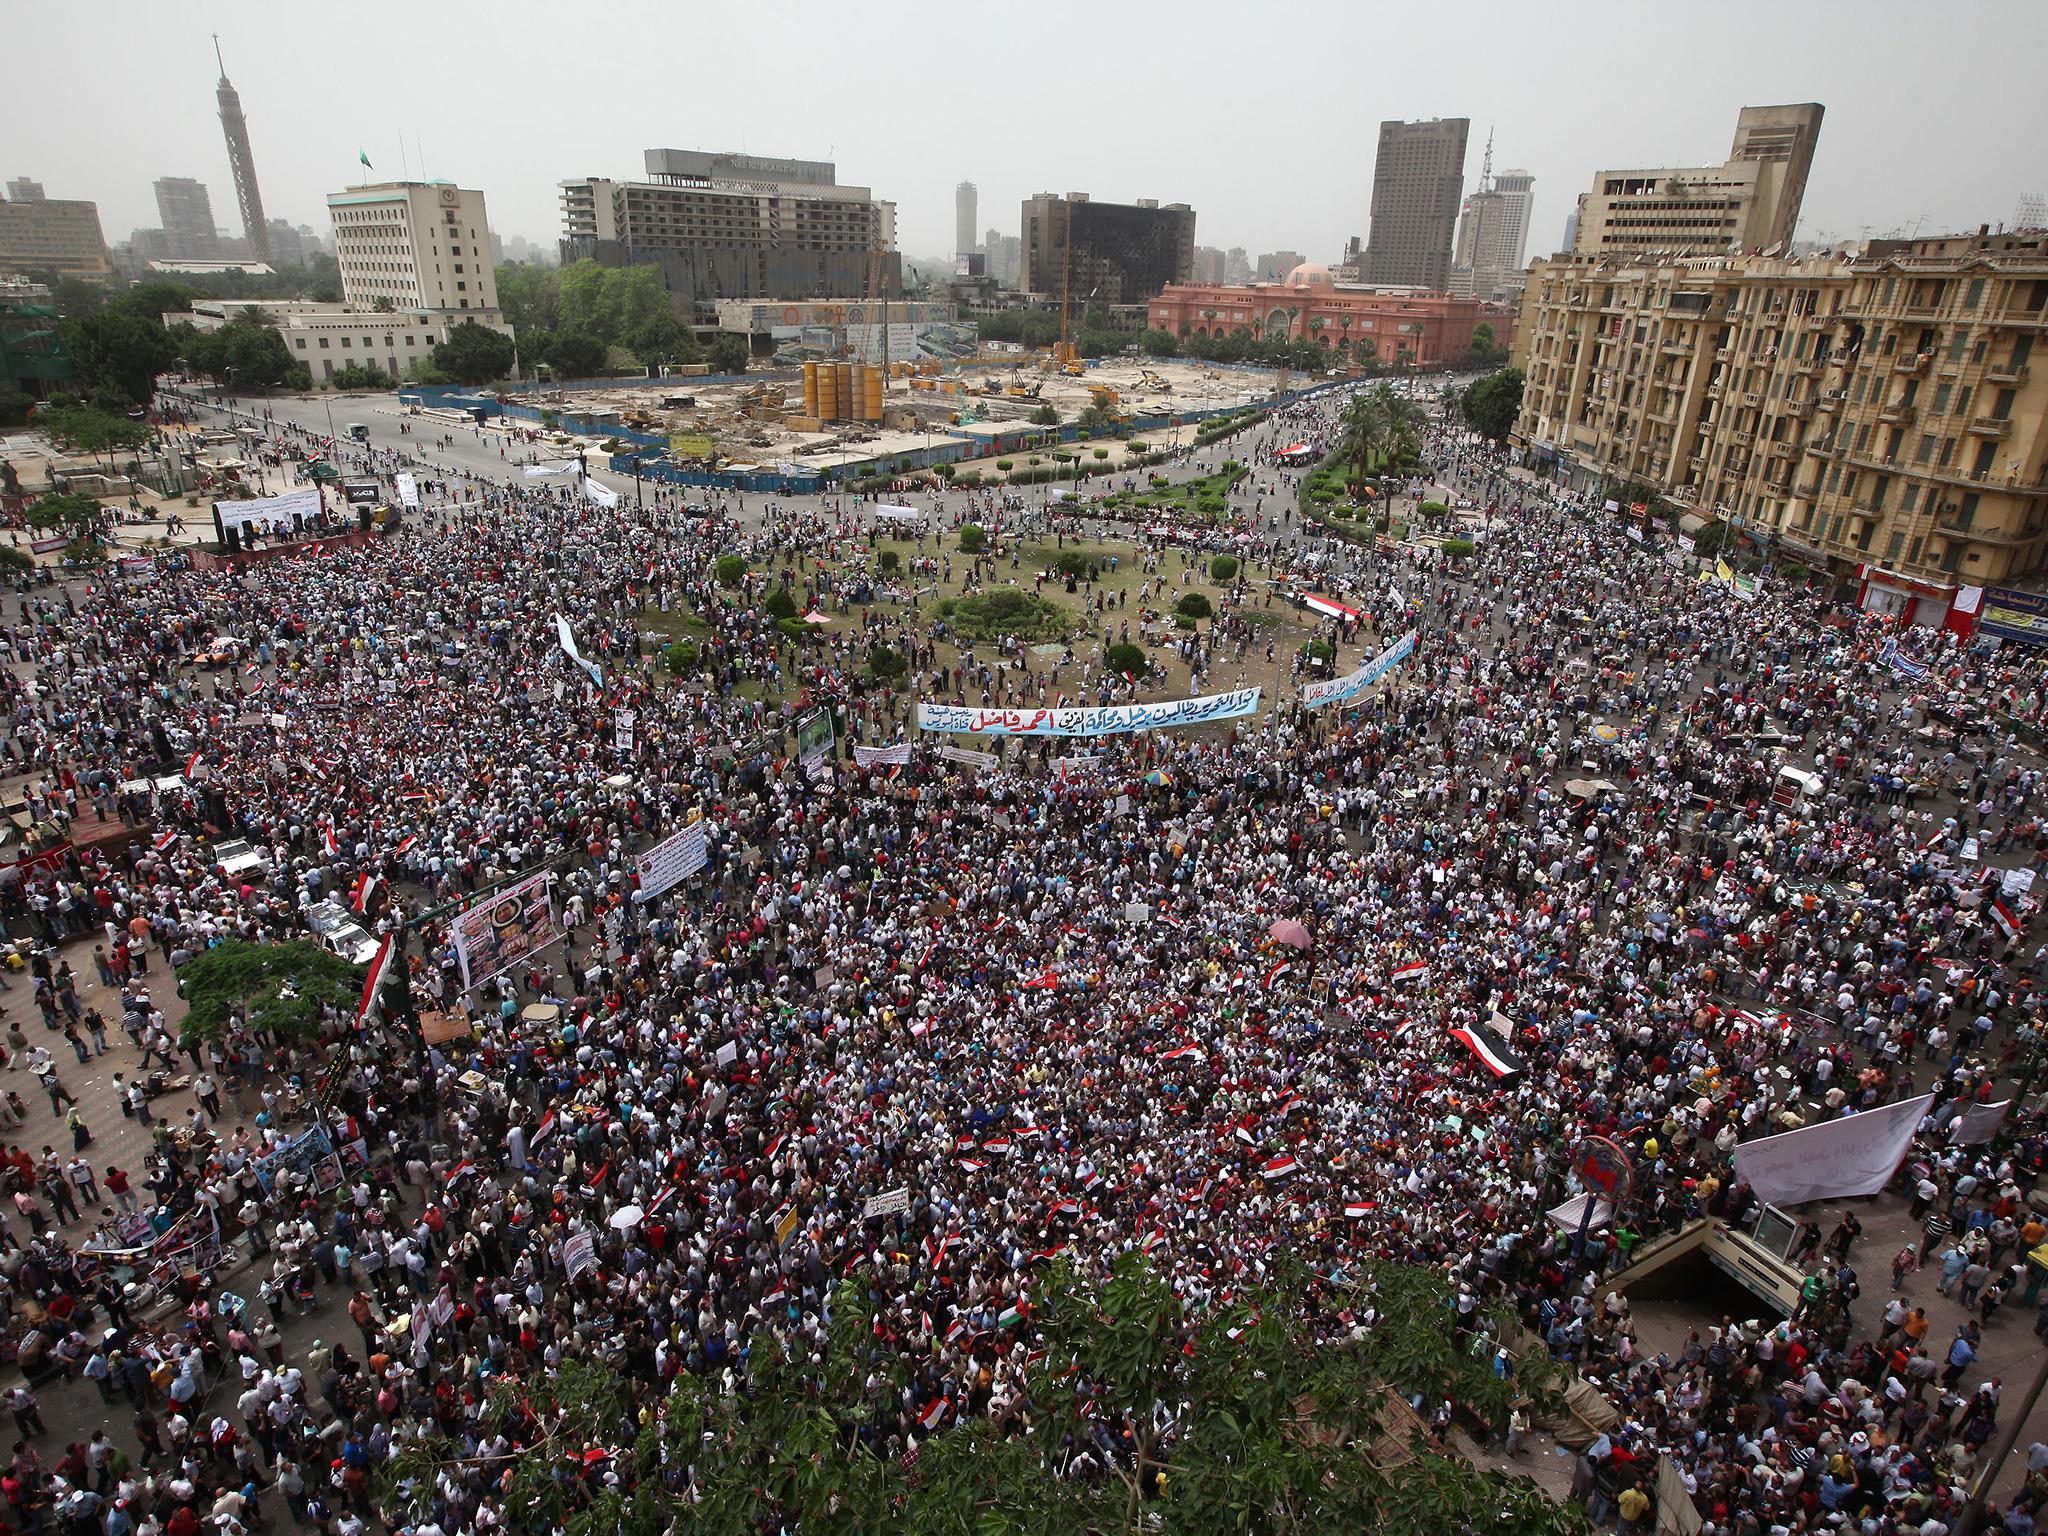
[
  {"x": 408, "y": 490},
  {"x": 986, "y": 761},
  {"x": 867, "y": 757},
  {"x": 622, "y": 729},
  {"x": 1352, "y": 684},
  {"x": 1834, "y": 1159},
  {"x": 502, "y": 930},
  {"x": 1110, "y": 720},
  {"x": 675, "y": 858},
  {"x": 286, "y": 511}
]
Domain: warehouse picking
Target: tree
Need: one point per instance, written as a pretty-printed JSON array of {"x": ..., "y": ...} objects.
[
  {"x": 729, "y": 354},
  {"x": 888, "y": 562},
  {"x": 730, "y": 570},
  {"x": 360, "y": 376},
  {"x": 1223, "y": 568},
  {"x": 1492, "y": 404},
  {"x": 78, "y": 299},
  {"x": 152, "y": 301},
  {"x": 664, "y": 339},
  {"x": 84, "y": 429},
  {"x": 474, "y": 354},
  {"x": 1096, "y": 418},
  {"x": 72, "y": 511},
  {"x": 575, "y": 355},
  {"x": 780, "y": 604},
  {"x": 279, "y": 988},
  {"x": 1484, "y": 351},
  {"x": 1126, "y": 660},
  {"x": 1045, "y": 416},
  {"x": 887, "y": 665},
  {"x": 973, "y": 539},
  {"x": 1194, "y": 605},
  {"x": 1158, "y": 343},
  {"x": 119, "y": 351}
]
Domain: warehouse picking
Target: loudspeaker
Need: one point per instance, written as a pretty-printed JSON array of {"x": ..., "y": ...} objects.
[
  {"x": 232, "y": 537},
  {"x": 363, "y": 519}
]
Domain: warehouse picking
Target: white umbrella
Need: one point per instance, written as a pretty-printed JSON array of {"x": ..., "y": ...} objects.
[{"x": 626, "y": 1217}]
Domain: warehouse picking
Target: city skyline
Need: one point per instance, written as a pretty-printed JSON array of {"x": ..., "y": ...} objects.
[{"x": 1865, "y": 179}]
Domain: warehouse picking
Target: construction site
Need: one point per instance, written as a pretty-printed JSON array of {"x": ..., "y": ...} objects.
[{"x": 830, "y": 415}]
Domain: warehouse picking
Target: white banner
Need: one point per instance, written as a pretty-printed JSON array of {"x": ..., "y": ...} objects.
[
  {"x": 894, "y": 756},
  {"x": 1978, "y": 1124},
  {"x": 898, "y": 514},
  {"x": 600, "y": 495},
  {"x": 622, "y": 730},
  {"x": 294, "y": 509},
  {"x": 1110, "y": 720},
  {"x": 542, "y": 471},
  {"x": 408, "y": 490},
  {"x": 985, "y": 761},
  {"x": 1854, "y": 1155},
  {"x": 672, "y": 860},
  {"x": 568, "y": 642},
  {"x": 1338, "y": 689}
]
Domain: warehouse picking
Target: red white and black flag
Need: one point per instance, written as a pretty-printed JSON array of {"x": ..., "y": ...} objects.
[
  {"x": 1492, "y": 1051},
  {"x": 380, "y": 972},
  {"x": 2002, "y": 915}
]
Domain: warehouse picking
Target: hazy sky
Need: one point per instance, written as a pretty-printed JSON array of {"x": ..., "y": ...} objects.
[{"x": 1264, "y": 120}]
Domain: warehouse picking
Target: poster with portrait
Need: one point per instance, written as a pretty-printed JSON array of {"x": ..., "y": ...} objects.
[{"x": 502, "y": 930}]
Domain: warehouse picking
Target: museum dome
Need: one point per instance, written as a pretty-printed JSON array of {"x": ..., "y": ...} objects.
[{"x": 1311, "y": 274}]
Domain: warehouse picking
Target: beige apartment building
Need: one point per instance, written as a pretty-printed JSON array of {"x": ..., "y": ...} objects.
[{"x": 1875, "y": 414}]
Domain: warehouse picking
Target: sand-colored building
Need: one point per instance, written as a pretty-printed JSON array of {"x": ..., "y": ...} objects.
[{"x": 1874, "y": 414}]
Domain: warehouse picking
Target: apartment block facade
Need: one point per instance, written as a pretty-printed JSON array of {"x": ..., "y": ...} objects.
[{"x": 1870, "y": 414}]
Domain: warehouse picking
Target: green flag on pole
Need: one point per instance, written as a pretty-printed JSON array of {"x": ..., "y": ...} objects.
[{"x": 363, "y": 155}]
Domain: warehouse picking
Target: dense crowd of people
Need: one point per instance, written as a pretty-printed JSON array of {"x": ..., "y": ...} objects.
[{"x": 1051, "y": 1008}]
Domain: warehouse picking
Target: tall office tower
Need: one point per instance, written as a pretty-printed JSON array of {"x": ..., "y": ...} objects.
[
  {"x": 2032, "y": 212},
  {"x": 1105, "y": 253},
  {"x": 1418, "y": 178},
  {"x": 242, "y": 162},
  {"x": 1493, "y": 232},
  {"x": 1750, "y": 202},
  {"x": 185, "y": 209},
  {"x": 963, "y": 219},
  {"x": 23, "y": 189}
]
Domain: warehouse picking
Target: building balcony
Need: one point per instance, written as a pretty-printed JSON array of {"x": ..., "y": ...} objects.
[
  {"x": 1810, "y": 367},
  {"x": 1752, "y": 397},
  {"x": 1714, "y": 390},
  {"x": 2006, "y": 375},
  {"x": 1798, "y": 410},
  {"x": 1826, "y": 451},
  {"x": 1896, "y": 415},
  {"x": 1780, "y": 485},
  {"x": 1831, "y": 401},
  {"x": 1913, "y": 366},
  {"x": 1742, "y": 439},
  {"x": 1989, "y": 426},
  {"x": 2002, "y": 538}
]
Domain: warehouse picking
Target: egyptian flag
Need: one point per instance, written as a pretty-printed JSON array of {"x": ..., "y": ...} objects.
[
  {"x": 1491, "y": 1050},
  {"x": 328, "y": 841},
  {"x": 380, "y": 971},
  {"x": 546, "y": 1127},
  {"x": 1278, "y": 971},
  {"x": 1049, "y": 979},
  {"x": 1281, "y": 1167},
  {"x": 406, "y": 846},
  {"x": 192, "y": 765},
  {"x": 1177, "y": 1052},
  {"x": 1358, "y": 1210},
  {"x": 933, "y": 1413},
  {"x": 2001, "y": 914},
  {"x": 164, "y": 840},
  {"x": 1330, "y": 608},
  {"x": 1414, "y": 970},
  {"x": 366, "y": 894}
]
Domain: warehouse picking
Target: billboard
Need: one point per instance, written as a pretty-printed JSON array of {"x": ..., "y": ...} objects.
[
  {"x": 362, "y": 493},
  {"x": 502, "y": 930},
  {"x": 2014, "y": 615},
  {"x": 690, "y": 445},
  {"x": 290, "y": 511}
]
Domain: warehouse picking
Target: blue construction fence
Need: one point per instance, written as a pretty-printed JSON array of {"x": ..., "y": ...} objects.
[{"x": 647, "y": 458}]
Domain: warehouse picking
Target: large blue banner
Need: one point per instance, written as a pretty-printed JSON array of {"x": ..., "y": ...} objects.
[
  {"x": 1352, "y": 684},
  {"x": 1109, "y": 720}
]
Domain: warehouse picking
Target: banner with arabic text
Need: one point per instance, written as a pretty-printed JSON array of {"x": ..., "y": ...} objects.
[
  {"x": 1108, "y": 720},
  {"x": 1352, "y": 684}
]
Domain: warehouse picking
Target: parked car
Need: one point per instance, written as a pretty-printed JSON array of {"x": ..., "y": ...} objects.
[
  {"x": 337, "y": 932},
  {"x": 234, "y": 858}
]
